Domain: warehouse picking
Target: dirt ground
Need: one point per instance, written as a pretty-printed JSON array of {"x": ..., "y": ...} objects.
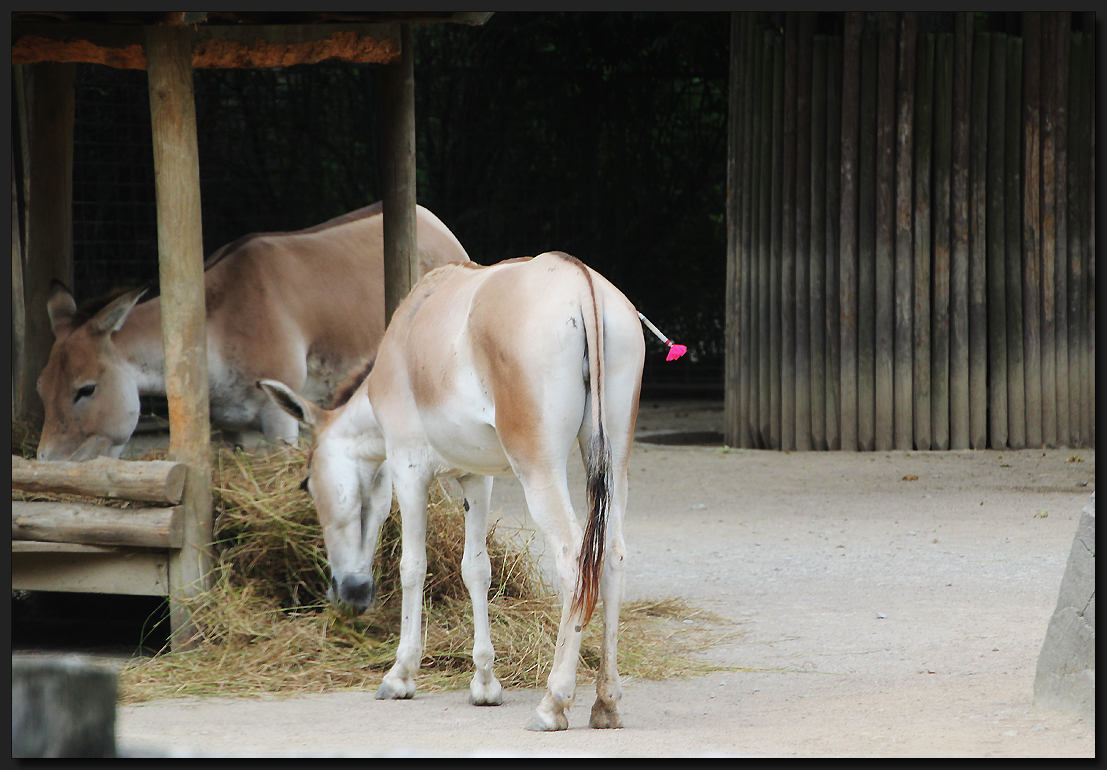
[{"x": 877, "y": 604}]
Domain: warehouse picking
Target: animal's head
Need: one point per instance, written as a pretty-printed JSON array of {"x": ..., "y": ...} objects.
[
  {"x": 350, "y": 484},
  {"x": 89, "y": 391}
]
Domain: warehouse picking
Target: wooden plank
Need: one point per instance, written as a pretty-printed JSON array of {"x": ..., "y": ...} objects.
[
  {"x": 867, "y": 212},
  {"x": 764, "y": 242},
  {"x": 49, "y": 236},
  {"x": 848, "y": 233},
  {"x": 120, "y": 571},
  {"x": 834, "y": 170},
  {"x": 921, "y": 256},
  {"x": 940, "y": 313},
  {"x": 749, "y": 103},
  {"x": 788, "y": 239},
  {"x": 74, "y": 522},
  {"x": 1062, "y": 43},
  {"x": 978, "y": 216},
  {"x": 156, "y": 481},
  {"x": 1016, "y": 380},
  {"x": 398, "y": 194},
  {"x": 904, "y": 249},
  {"x": 802, "y": 292},
  {"x": 884, "y": 286},
  {"x": 959, "y": 248},
  {"x": 1031, "y": 224},
  {"x": 731, "y": 307},
  {"x": 818, "y": 216},
  {"x": 1048, "y": 231},
  {"x": 776, "y": 253},
  {"x": 996, "y": 246},
  {"x": 181, "y": 262},
  {"x": 1079, "y": 219}
]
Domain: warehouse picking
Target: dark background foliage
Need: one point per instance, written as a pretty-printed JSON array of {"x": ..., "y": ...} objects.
[{"x": 599, "y": 134}]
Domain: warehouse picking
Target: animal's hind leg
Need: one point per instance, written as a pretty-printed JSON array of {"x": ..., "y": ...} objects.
[
  {"x": 476, "y": 569},
  {"x": 548, "y": 499},
  {"x": 609, "y": 688},
  {"x": 399, "y": 682}
]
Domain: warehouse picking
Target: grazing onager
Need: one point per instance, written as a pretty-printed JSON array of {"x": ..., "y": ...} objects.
[
  {"x": 302, "y": 307},
  {"x": 489, "y": 371}
]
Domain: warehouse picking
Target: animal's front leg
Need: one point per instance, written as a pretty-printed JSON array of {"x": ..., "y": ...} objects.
[
  {"x": 399, "y": 682},
  {"x": 476, "y": 569}
]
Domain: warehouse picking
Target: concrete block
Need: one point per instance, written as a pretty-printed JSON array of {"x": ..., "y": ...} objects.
[
  {"x": 1065, "y": 678},
  {"x": 62, "y": 706}
]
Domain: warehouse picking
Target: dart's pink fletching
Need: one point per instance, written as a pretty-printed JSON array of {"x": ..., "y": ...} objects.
[{"x": 675, "y": 352}]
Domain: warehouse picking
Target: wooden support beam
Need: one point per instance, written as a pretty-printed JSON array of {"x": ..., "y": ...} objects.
[
  {"x": 49, "y": 237},
  {"x": 89, "y": 524},
  {"x": 181, "y": 273},
  {"x": 157, "y": 481},
  {"x": 398, "y": 197},
  {"x": 93, "y": 569}
]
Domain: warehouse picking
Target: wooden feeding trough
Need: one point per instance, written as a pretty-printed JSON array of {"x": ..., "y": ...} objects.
[{"x": 89, "y": 547}]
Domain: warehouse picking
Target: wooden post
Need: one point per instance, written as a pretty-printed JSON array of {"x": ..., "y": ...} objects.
[
  {"x": 788, "y": 240},
  {"x": 940, "y": 318},
  {"x": 776, "y": 254},
  {"x": 49, "y": 237},
  {"x": 847, "y": 285},
  {"x": 1079, "y": 149},
  {"x": 978, "y": 308},
  {"x": 181, "y": 274},
  {"x": 731, "y": 307},
  {"x": 834, "y": 169},
  {"x": 398, "y": 198},
  {"x": 1031, "y": 222},
  {"x": 817, "y": 240},
  {"x": 748, "y": 219},
  {"x": 1062, "y": 43},
  {"x": 764, "y": 244},
  {"x": 903, "y": 297},
  {"x": 1048, "y": 230},
  {"x": 996, "y": 248},
  {"x": 959, "y": 250},
  {"x": 1016, "y": 380},
  {"x": 802, "y": 290},
  {"x": 866, "y": 245},
  {"x": 924, "y": 125}
]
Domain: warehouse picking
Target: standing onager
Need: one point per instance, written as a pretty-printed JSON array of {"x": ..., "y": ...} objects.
[
  {"x": 489, "y": 371},
  {"x": 302, "y": 307}
]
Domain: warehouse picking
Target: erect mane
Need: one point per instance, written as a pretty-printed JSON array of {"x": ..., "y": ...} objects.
[
  {"x": 349, "y": 386},
  {"x": 352, "y": 216},
  {"x": 90, "y": 307}
]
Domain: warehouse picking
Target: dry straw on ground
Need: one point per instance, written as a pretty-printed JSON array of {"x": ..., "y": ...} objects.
[{"x": 265, "y": 626}]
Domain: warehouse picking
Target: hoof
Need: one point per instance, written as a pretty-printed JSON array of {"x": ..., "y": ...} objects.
[
  {"x": 540, "y": 725},
  {"x": 491, "y": 694},
  {"x": 388, "y": 691},
  {"x": 603, "y": 718}
]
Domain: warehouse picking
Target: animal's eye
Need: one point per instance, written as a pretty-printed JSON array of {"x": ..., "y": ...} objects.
[{"x": 84, "y": 392}]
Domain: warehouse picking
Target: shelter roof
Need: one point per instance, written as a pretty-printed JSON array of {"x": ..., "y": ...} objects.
[{"x": 222, "y": 39}]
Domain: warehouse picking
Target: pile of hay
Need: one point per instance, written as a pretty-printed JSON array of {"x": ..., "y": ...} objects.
[{"x": 265, "y": 625}]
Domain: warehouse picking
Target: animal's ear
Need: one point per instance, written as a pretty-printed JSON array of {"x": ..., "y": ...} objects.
[
  {"x": 287, "y": 399},
  {"x": 61, "y": 308},
  {"x": 111, "y": 316}
]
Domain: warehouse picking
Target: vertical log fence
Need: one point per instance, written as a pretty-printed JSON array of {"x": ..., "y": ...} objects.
[{"x": 911, "y": 252}]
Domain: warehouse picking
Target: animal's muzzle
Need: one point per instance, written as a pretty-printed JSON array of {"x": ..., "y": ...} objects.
[{"x": 356, "y": 591}]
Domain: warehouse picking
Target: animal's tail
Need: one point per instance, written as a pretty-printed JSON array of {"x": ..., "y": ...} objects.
[{"x": 598, "y": 463}]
